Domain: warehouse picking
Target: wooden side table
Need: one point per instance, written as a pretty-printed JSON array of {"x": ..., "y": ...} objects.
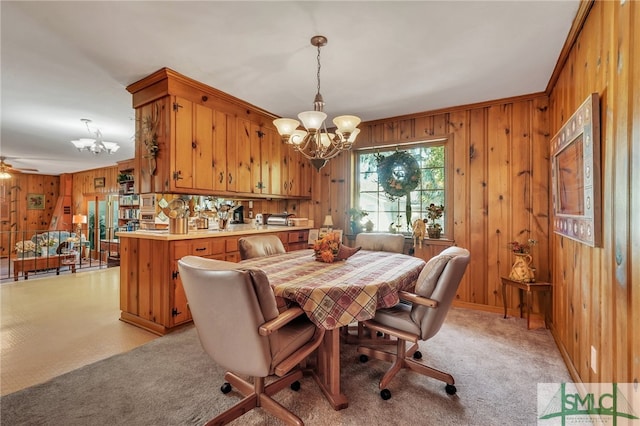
[
  {"x": 38, "y": 263},
  {"x": 529, "y": 288}
]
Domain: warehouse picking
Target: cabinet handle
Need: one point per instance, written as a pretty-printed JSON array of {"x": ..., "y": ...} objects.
[
  {"x": 221, "y": 177},
  {"x": 194, "y": 144},
  {"x": 201, "y": 248},
  {"x": 291, "y": 186},
  {"x": 230, "y": 178},
  {"x": 286, "y": 184}
]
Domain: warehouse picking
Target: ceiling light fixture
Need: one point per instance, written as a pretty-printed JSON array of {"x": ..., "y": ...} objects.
[
  {"x": 95, "y": 146},
  {"x": 316, "y": 143}
]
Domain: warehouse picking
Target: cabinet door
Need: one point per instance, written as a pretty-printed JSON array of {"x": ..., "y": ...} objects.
[
  {"x": 184, "y": 141},
  {"x": 219, "y": 155},
  {"x": 243, "y": 181},
  {"x": 194, "y": 145},
  {"x": 202, "y": 147},
  {"x": 276, "y": 176},
  {"x": 258, "y": 184}
]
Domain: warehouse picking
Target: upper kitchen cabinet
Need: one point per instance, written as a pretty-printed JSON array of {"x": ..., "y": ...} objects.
[{"x": 192, "y": 138}]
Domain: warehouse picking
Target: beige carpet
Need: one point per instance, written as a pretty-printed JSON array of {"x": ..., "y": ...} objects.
[{"x": 496, "y": 363}]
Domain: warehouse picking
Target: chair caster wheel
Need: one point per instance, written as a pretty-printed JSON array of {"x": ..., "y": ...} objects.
[
  {"x": 417, "y": 355},
  {"x": 364, "y": 358},
  {"x": 385, "y": 394},
  {"x": 295, "y": 386},
  {"x": 450, "y": 389},
  {"x": 225, "y": 388}
]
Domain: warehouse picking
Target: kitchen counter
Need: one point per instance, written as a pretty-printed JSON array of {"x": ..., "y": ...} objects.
[
  {"x": 151, "y": 292},
  {"x": 233, "y": 230}
]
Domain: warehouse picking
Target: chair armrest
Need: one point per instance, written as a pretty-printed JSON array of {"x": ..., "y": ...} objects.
[
  {"x": 419, "y": 300},
  {"x": 284, "y": 318}
]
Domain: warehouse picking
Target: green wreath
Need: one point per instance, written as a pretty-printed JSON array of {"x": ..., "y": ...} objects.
[{"x": 398, "y": 174}]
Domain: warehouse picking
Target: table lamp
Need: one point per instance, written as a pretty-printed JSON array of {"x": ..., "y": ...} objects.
[
  {"x": 79, "y": 219},
  {"x": 328, "y": 222}
]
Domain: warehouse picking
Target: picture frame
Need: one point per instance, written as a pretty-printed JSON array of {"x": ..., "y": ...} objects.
[
  {"x": 35, "y": 201},
  {"x": 99, "y": 182},
  {"x": 313, "y": 236},
  {"x": 575, "y": 176}
]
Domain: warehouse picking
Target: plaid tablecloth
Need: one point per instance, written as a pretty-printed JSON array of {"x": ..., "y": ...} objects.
[{"x": 336, "y": 294}]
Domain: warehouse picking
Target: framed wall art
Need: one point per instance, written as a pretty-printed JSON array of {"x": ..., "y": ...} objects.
[
  {"x": 575, "y": 175},
  {"x": 35, "y": 201},
  {"x": 98, "y": 182}
]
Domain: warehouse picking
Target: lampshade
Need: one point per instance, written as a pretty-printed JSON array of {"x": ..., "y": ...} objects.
[
  {"x": 312, "y": 120},
  {"x": 328, "y": 221},
  {"x": 79, "y": 218}
]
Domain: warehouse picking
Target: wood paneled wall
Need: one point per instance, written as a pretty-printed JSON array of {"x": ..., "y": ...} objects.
[
  {"x": 500, "y": 184},
  {"x": 84, "y": 186},
  {"x": 597, "y": 290},
  {"x": 15, "y": 214}
]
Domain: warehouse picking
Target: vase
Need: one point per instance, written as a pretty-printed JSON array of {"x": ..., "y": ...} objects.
[
  {"x": 521, "y": 269},
  {"x": 434, "y": 232}
]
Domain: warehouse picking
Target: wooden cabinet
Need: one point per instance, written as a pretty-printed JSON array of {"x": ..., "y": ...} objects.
[
  {"x": 431, "y": 248},
  {"x": 194, "y": 139},
  {"x": 151, "y": 292}
]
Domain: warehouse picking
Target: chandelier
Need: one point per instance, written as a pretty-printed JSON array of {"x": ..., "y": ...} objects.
[
  {"x": 95, "y": 146},
  {"x": 316, "y": 143}
]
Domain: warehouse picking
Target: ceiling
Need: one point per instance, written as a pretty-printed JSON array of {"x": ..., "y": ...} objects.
[{"x": 64, "y": 61}]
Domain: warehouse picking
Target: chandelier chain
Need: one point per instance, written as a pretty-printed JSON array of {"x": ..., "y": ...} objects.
[{"x": 318, "y": 74}]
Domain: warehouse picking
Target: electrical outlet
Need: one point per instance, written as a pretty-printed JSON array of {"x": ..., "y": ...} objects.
[
  {"x": 594, "y": 359},
  {"x": 250, "y": 204},
  {"x": 250, "y": 215}
]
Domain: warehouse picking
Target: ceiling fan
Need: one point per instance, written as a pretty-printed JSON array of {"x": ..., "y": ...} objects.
[{"x": 6, "y": 169}]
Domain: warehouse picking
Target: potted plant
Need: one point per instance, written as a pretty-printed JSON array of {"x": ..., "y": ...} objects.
[
  {"x": 355, "y": 219},
  {"x": 434, "y": 212}
]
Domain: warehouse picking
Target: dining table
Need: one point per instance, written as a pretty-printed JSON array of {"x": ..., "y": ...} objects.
[{"x": 334, "y": 295}]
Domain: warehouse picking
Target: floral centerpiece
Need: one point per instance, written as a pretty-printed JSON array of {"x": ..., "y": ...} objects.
[
  {"x": 326, "y": 248},
  {"x": 434, "y": 212}
]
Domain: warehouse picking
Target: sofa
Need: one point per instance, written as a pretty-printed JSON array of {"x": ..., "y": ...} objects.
[{"x": 60, "y": 240}]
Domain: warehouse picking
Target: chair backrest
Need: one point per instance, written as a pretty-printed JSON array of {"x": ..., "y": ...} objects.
[
  {"x": 439, "y": 280},
  {"x": 228, "y": 306},
  {"x": 380, "y": 241},
  {"x": 259, "y": 245}
]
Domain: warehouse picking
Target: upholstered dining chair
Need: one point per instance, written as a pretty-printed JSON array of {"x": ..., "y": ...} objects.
[
  {"x": 418, "y": 320},
  {"x": 380, "y": 241},
  {"x": 374, "y": 241},
  {"x": 240, "y": 328},
  {"x": 259, "y": 245}
]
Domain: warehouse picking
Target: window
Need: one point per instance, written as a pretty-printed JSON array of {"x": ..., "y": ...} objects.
[{"x": 389, "y": 213}]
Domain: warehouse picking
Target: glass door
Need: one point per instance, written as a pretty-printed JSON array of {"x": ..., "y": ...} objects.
[{"x": 102, "y": 221}]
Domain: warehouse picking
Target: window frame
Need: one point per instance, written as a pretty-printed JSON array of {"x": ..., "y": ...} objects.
[{"x": 445, "y": 141}]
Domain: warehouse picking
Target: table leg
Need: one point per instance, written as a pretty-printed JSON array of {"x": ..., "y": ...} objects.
[
  {"x": 328, "y": 370},
  {"x": 504, "y": 298},
  {"x": 521, "y": 301},
  {"x": 529, "y": 303}
]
